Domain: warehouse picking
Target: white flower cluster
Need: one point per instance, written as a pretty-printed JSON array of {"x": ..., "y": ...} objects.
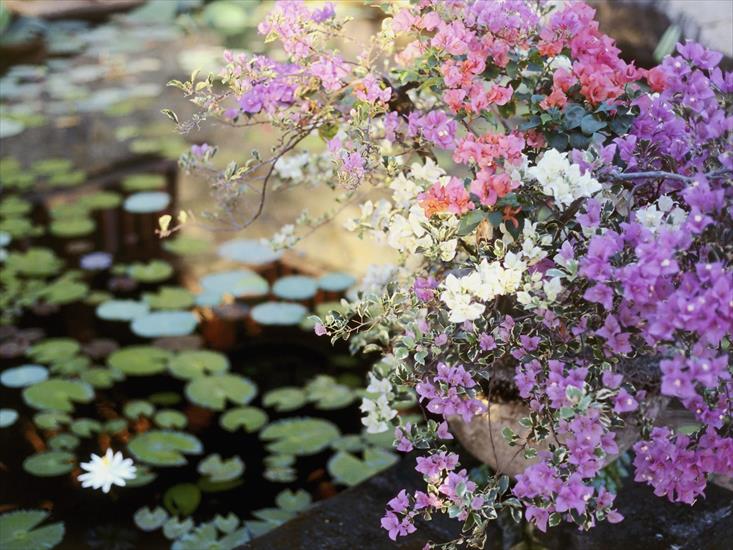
[
  {"x": 663, "y": 213},
  {"x": 291, "y": 166},
  {"x": 377, "y": 408},
  {"x": 561, "y": 179},
  {"x": 465, "y": 296}
]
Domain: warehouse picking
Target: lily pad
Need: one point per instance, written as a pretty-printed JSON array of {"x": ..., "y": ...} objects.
[
  {"x": 154, "y": 271},
  {"x": 121, "y": 310},
  {"x": 299, "y": 436},
  {"x": 171, "y": 419},
  {"x": 285, "y": 399},
  {"x": 327, "y": 394},
  {"x": 36, "y": 262},
  {"x": 25, "y": 375},
  {"x": 8, "y": 417},
  {"x": 63, "y": 442},
  {"x": 54, "y": 350},
  {"x": 51, "y": 420},
  {"x": 85, "y": 427},
  {"x": 147, "y": 202},
  {"x": 175, "y": 528},
  {"x": 67, "y": 179},
  {"x": 57, "y": 394},
  {"x": 164, "y": 323},
  {"x": 336, "y": 282},
  {"x": 46, "y": 167},
  {"x": 19, "y": 228},
  {"x": 64, "y": 290},
  {"x": 197, "y": 363},
  {"x": 293, "y": 501},
  {"x": 349, "y": 470},
  {"x": 72, "y": 227},
  {"x": 164, "y": 447},
  {"x": 182, "y": 499},
  {"x": 150, "y": 520},
  {"x": 248, "y": 251},
  {"x": 295, "y": 287},
  {"x": 240, "y": 284},
  {"x": 278, "y": 313},
  {"x": 101, "y": 377},
  {"x": 136, "y": 408},
  {"x": 143, "y": 476},
  {"x": 213, "y": 392},
  {"x": 250, "y": 419},
  {"x": 49, "y": 463},
  {"x": 13, "y": 205},
  {"x": 140, "y": 360},
  {"x": 185, "y": 245},
  {"x": 218, "y": 470},
  {"x": 18, "y": 531},
  {"x": 143, "y": 182},
  {"x": 170, "y": 297},
  {"x": 101, "y": 200}
]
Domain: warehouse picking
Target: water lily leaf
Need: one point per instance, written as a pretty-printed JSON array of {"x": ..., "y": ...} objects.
[
  {"x": 67, "y": 179},
  {"x": 219, "y": 470},
  {"x": 51, "y": 420},
  {"x": 295, "y": 287},
  {"x": 171, "y": 418},
  {"x": 259, "y": 528},
  {"x": 352, "y": 443},
  {"x": 136, "y": 408},
  {"x": 72, "y": 227},
  {"x": 143, "y": 476},
  {"x": 140, "y": 360},
  {"x": 278, "y": 313},
  {"x": 164, "y": 323},
  {"x": 347, "y": 469},
  {"x": 53, "y": 350},
  {"x": 280, "y": 468},
  {"x": 25, "y": 375},
  {"x": 327, "y": 394},
  {"x": 226, "y": 524},
  {"x": 250, "y": 252},
  {"x": 274, "y": 516},
  {"x": 336, "y": 282},
  {"x": 8, "y": 417},
  {"x": 114, "y": 426},
  {"x": 49, "y": 166},
  {"x": 285, "y": 399},
  {"x": 147, "y": 202},
  {"x": 293, "y": 501},
  {"x": 384, "y": 440},
  {"x": 143, "y": 182},
  {"x": 197, "y": 363},
  {"x": 64, "y": 290},
  {"x": 85, "y": 427},
  {"x": 63, "y": 442},
  {"x": 49, "y": 463},
  {"x": 240, "y": 284},
  {"x": 184, "y": 245},
  {"x": 182, "y": 499},
  {"x": 214, "y": 391},
  {"x": 18, "y": 530},
  {"x": 71, "y": 366},
  {"x": 57, "y": 394},
  {"x": 164, "y": 447},
  {"x": 121, "y": 310},
  {"x": 175, "y": 528},
  {"x": 299, "y": 436},
  {"x": 101, "y": 377},
  {"x": 170, "y": 297},
  {"x": 150, "y": 520},
  {"x": 101, "y": 200},
  {"x": 19, "y": 228},
  {"x": 249, "y": 418},
  {"x": 13, "y": 205},
  {"x": 165, "y": 399},
  {"x": 208, "y": 486},
  {"x": 154, "y": 271}
]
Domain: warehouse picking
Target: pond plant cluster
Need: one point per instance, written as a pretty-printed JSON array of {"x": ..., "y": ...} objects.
[{"x": 564, "y": 224}]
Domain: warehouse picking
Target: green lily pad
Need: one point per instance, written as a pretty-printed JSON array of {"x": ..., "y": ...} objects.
[
  {"x": 327, "y": 394},
  {"x": 114, "y": 426},
  {"x": 185, "y": 245},
  {"x": 175, "y": 528},
  {"x": 218, "y": 470},
  {"x": 170, "y": 297},
  {"x": 64, "y": 290},
  {"x": 85, "y": 427},
  {"x": 25, "y": 375},
  {"x": 121, "y": 310},
  {"x": 250, "y": 252},
  {"x": 274, "y": 516},
  {"x": 51, "y": 420},
  {"x": 57, "y": 394},
  {"x": 143, "y": 182},
  {"x": 147, "y": 202},
  {"x": 13, "y": 205},
  {"x": 72, "y": 227},
  {"x": 49, "y": 463},
  {"x": 165, "y": 399},
  {"x": 226, "y": 524},
  {"x": 182, "y": 499},
  {"x": 213, "y": 392},
  {"x": 249, "y": 418},
  {"x": 54, "y": 350},
  {"x": 143, "y": 476},
  {"x": 336, "y": 282},
  {"x": 71, "y": 366},
  {"x": 18, "y": 531},
  {"x": 19, "y": 228},
  {"x": 295, "y": 287},
  {"x": 285, "y": 399},
  {"x": 299, "y": 436},
  {"x": 352, "y": 443},
  {"x": 164, "y": 447},
  {"x": 101, "y": 377},
  {"x": 349, "y": 470},
  {"x": 8, "y": 417},
  {"x": 36, "y": 262},
  {"x": 140, "y": 360},
  {"x": 197, "y": 363},
  {"x": 49, "y": 166},
  {"x": 240, "y": 284},
  {"x": 293, "y": 501},
  {"x": 67, "y": 179},
  {"x": 164, "y": 323},
  {"x": 154, "y": 271},
  {"x": 150, "y": 520},
  {"x": 69, "y": 211},
  {"x": 101, "y": 200},
  {"x": 171, "y": 419},
  {"x": 63, "y": 442},
  {"x": 136, "y": 408},
  {"x": 278, "y": 313}
]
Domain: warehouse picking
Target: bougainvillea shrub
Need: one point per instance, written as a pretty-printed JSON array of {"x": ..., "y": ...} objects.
[{"x": 563, "y": 219}]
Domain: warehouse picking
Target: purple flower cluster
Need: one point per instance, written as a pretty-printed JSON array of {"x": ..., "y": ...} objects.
[
  {"x": 435, "y": 126},
  {"x": 446, "y": 393}
]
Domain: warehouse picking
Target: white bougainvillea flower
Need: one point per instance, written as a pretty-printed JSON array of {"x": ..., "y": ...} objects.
[{"x": 104, "y": 471}]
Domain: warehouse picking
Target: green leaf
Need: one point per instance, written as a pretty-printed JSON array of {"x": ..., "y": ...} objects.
[
  {"x": 345, "y": 468},
  {"x": 213, "y": 392},
  {"x": 57, "y": 394},
  {"x": 171, "y": 418},
  {"x": 54, "y": 350},
  {"x": 589, "y": 125},
  {"x": 140, "y": 360},
  {"x": 285, "y": 399},
  {"x": 182, "y": 499},
  {"x": 197, "y": 363},
  {"x": 175, "y": 528},
  {"x": 150, "y": 520},
  {"x": 136, "y": 408},
  {"x": 63, "y": 442},
  {"x": 327, "y": 394},
  {"x": 293, "y": 501},
  {"x": 164, "y": 447},
  {"x": 470, "y": 221},
  {"x": 51, "y": 420},
  {"x": 18, "y": 531},
  {"x": 49, "y": 463},
  {"x": 299, "y": 436},
  {"x": 219, "y": 470},
  {"x": 170, "y": 297},
  {"x": 573, "y": 115},
  {"x": 250, "y": 419},
  {"x": 226, "y": 524},
  {"x": 84, "y": 427}
]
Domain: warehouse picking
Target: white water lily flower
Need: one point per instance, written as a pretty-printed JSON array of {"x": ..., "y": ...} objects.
[{"x": 104, "y": 471}]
